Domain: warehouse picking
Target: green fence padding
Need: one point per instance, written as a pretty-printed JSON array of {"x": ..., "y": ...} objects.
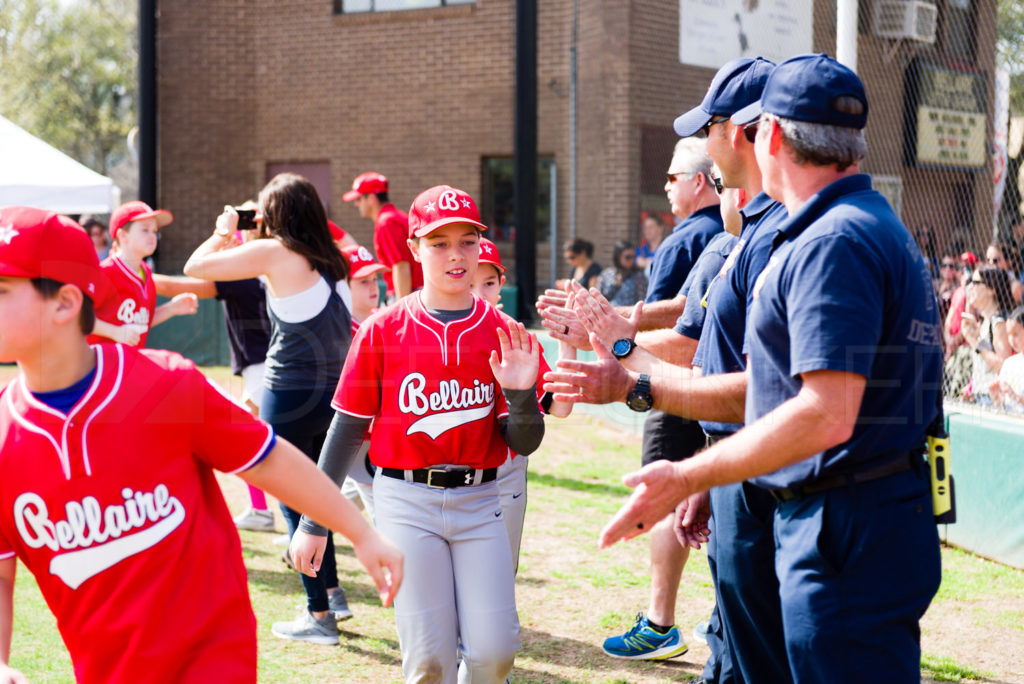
[
  {"x": 988, "y": 470},
  {"x": 510, "y": 301},
  {"x": 202, "y": 337}
]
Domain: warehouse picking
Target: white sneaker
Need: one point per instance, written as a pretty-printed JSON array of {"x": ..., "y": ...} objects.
[
  {"x": 282, "y": 540},
  {"x": 255, "y": 519},
  {"x": 700, "y": 631}
]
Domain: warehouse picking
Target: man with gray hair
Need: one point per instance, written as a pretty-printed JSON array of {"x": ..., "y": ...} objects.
[
  {"x": 845, "y": 367},
  {"x": 692, "y": 196}
]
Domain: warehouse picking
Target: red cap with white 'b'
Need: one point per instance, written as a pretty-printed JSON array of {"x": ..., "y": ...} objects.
[
  {"x": 440, "y": 206},
  {"x": 361, "y": 263}
]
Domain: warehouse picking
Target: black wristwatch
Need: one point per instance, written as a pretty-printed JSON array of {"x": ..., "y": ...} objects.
[
  {"x": 623, "y": 347},
  {"x": 639, "y": 398}
]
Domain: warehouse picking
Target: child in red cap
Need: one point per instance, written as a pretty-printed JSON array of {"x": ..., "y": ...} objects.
[
  {"x": 487, "y": 284},
  {"x": 129, "y": 310},
  {"x": 109, "y": 497},
  {"x": 450, "y": 385},
  {"x": 362, "y": 282}
]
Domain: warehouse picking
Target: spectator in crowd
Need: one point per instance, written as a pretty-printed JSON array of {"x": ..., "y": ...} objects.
[
  {"x": 959, "y": 358},
  {"x": 308, "y": 302},
  {"x": 1008, "y": 392},
  {"x": 988, "y": 297},
  {"x": 958, "y": 304},
  {"x": 1000, "y": 254},
  {"x": 1017, "y": 240},
  {"x": 946, "y": 284},
  {"x": 926, "y": 241},
  {"x": 579, "y": 254},
  {"x": 624, "y": 283},
  {"x": 653, "y": 230},
  {"x": 98, "y": 232}
]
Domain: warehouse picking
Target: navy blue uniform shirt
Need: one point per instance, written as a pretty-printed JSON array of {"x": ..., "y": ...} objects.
[
  {"x": 846, "y": 289},
  {"x": 677, "y": 254},
  {"x": 708, "y": 266},
  {"x": 721, "y": 342}
]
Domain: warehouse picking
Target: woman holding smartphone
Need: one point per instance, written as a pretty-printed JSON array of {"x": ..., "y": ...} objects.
[{"x": 308, "y": 303}]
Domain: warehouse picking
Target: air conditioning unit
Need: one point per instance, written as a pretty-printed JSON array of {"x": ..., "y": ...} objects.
[{"x": 912, "y": 19}]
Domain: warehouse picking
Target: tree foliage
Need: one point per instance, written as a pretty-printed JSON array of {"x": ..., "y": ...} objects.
[{"x": 67, "y": 74}]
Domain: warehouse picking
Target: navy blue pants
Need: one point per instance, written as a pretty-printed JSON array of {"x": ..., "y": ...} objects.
[
  {"x": 857, "y": 568},
  {"x": 749, "y": 646},
  {"x": 302, "y": 417}
]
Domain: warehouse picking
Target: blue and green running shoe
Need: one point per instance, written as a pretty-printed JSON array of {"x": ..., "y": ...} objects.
[{"x": 643, "y": 643}]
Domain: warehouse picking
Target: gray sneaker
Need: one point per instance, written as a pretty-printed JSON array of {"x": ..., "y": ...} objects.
[
  {"x": 337, "y": 603},
  {"x": 255, "y": 519},
  {"x": 307, "y": 628}
]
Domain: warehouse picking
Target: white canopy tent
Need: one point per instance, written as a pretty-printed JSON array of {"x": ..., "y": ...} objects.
[{"x": 34, "y": 174}]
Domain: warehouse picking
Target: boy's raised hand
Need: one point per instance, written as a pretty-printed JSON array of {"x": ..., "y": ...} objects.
[{"x": 519, "y": 361}]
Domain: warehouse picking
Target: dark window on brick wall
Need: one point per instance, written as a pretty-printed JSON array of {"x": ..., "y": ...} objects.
[
  {"x": 355, "y": 6},
  {"x": 497, "y": 207}
]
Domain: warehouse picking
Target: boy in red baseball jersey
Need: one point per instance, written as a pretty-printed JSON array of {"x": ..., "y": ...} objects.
[
  {"x": 450, "y": 391},
  {"x": 129, "y": 309},
  {"x": 109, "y": 497}
]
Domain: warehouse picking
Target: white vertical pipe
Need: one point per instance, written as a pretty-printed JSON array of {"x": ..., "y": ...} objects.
[{"x": 846, "y": 33}]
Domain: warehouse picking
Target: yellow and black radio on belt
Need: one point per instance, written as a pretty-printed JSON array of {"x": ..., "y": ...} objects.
[{"x": 943, "y": 496}]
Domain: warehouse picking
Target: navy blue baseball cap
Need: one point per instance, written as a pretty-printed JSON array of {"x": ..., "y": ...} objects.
[
  {"x": 735, "y": 86},
  {"x": 805, "y": 88}
]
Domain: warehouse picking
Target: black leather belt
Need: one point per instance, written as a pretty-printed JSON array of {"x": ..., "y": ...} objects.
[
  {"x": 900, "y": 465},
  {"x": 443, "y": 478}
]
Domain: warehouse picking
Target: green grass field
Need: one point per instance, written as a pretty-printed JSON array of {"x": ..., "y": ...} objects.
[{"x": 570, "y": 595}]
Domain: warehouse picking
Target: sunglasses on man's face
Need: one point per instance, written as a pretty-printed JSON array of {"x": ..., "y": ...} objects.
[
  {"x": 706, "y": 128},
  {"x": 750, "y": 131}
]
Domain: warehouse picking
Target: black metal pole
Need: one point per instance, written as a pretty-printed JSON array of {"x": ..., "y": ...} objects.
[
  {"x": 526, "y": 156},
  {"x": 147, "y": 102}
]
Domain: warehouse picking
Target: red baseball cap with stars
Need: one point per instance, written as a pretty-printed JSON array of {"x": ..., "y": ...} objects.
[
  {"x": 35, "y": 243},
  {"x": 440, "y": 206},
  {"x": 489, "y": 254},
  {"x": 369, "y": 183},
  {"x": 361, "y": 263}
]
